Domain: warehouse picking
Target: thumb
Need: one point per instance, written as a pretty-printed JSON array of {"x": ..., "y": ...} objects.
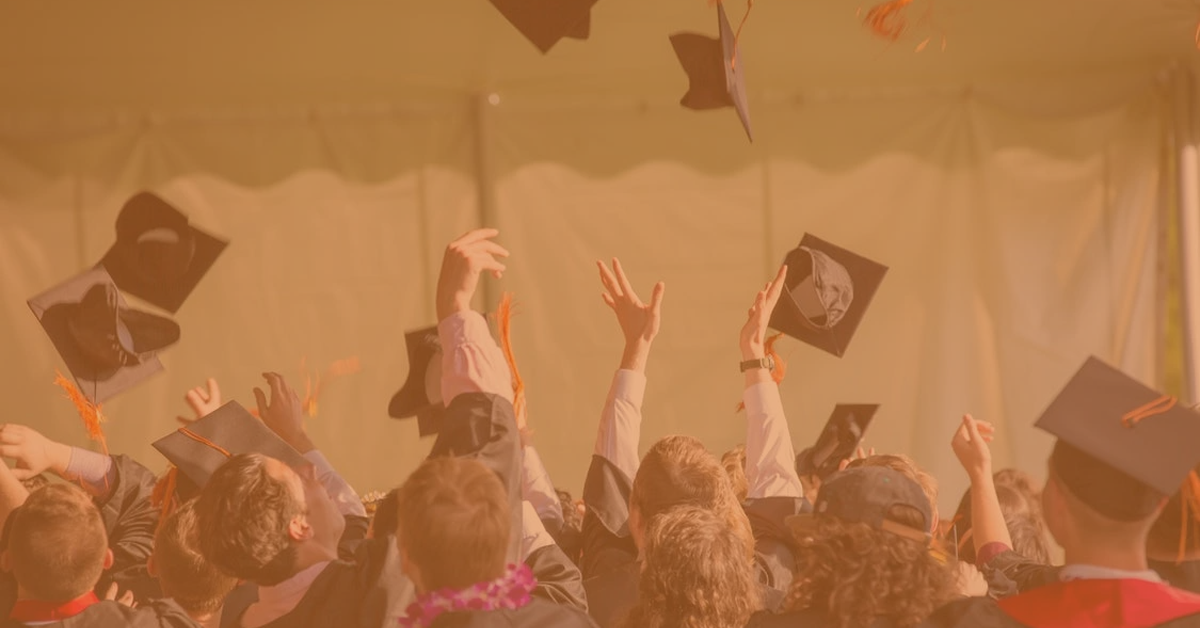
[
  {"x": 261, "y": 399},
  {"x": 973, "y": 431},
  {"x": 22, "y": 474}
]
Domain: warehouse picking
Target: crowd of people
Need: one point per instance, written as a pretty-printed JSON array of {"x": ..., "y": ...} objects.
[{"x": 254, "y": 528}]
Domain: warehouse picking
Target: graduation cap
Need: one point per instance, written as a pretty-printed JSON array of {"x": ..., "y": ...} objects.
[
  {"x": 158, "y": 256},
  {"x": 1122, "y": 447},
  {"x": 828, "y": 291},
  {"x": 715, "y": 70},
  {"x": 421, "y": 395},
  {"x": 107, "y": 346},
  {"x": 840, "y": 437},
  {"x": 201, "y": 447},
  {"x": 544, "y": 22}
]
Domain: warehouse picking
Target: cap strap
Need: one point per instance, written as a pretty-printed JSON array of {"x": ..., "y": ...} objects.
[
  {"x": 204, "y": 441},
  {"x": 1154, "y": 408}
]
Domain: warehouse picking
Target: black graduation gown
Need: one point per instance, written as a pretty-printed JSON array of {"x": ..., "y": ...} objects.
[
  {"x": 1184, "y": 575},
  {"x": 609, "y": 561},
  {"x": 1010, "y": 573},
  {"x": 537, "y": 614},
  {"x": 159, "y": 614},
  {"x": 1078, "y": 604},
  {"x": 802, "y": 619}
]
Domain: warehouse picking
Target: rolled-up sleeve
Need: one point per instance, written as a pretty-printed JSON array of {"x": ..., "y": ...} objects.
[
  {"x": 770, "y": 457},
  {"x": 472, "y": 362}
]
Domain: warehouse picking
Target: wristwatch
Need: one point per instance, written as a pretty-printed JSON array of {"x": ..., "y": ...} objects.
[{"x": 761, "y": 363}]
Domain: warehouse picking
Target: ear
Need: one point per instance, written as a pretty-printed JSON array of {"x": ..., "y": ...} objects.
[
  {"x": 151, "y": 567},
  {"x": 299, "y": 530},
  {"x": 108, "y": 559}
]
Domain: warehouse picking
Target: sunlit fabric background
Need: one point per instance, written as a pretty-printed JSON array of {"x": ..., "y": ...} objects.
[{"x": 1032, "y": 188}]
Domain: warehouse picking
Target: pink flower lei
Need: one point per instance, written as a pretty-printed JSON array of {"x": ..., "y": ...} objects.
[{"x": 508, "y": 592}]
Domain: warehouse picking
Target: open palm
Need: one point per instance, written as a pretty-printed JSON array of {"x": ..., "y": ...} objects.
[{"x": 639, "y": 321}]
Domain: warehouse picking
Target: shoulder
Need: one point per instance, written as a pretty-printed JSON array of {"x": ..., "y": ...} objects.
[{"x": 973, "y": 611}]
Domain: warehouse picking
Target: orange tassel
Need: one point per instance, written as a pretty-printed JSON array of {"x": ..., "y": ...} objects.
[
  {"x": 780, "y": 370},
  {"x": 504, "y": 314},
  {"x": 163, "y": 496},
  {"x": 1190, "y": 500},
  {"x": 886, "y": 20},
  {"x": 312, "y": 390},
  {"x": 88, "y": 411},
  {"x": 1154, "y": 408}
]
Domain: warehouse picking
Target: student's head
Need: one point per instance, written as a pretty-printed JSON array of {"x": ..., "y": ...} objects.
[
  {"x": 1089, "y": 503},
  {"x": 679, "y": 471},
  {"x": 185, "y": 576},
  {"x": 257, "y": 517},
  {"x": 908, "y": 467},
  {"x": 454, "y": 524},
  {"x": 695, "y": 573},
  {"x": 734, "y": 462},
  {"x": 1023, "y": 517},
  {"x": 57, "y": 545},
  {"x": 865, "y": 552}
]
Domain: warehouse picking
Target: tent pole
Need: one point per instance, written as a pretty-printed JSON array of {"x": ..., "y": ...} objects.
[
  {"x": 484, "y": 188},
  {"x": 1188, "y": 145}
]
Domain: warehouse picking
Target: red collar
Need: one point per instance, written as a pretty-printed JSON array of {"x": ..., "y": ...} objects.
[
  {"x": 1100, "y": 604},
  {"x": 26, "y": 611}
]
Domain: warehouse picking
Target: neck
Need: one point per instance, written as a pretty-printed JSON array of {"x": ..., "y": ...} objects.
[
  {"x": 1125, "y": 556},
  {"x": 207, "y": 620},
  {"x": 311, "y": 554},
  {"x": 23, "y": 594}
]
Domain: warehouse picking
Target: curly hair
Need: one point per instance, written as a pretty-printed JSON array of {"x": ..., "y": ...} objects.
[
  {"x": 243, "y": 514},
  {"x": 696, "y": 574},
  {"x": 855, "y": 573}
]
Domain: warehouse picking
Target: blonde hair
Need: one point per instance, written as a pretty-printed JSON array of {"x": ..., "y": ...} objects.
[
  {"x": 57, "y": 543},
  {"x": 454, "y": 523},
  {"x": 696, "y": 574},
  {"x": 734, "y": 462}
]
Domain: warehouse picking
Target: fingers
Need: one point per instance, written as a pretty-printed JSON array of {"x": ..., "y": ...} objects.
[
  {"x": 776, "y": 287},
  {"x": 491, "y": 248},
  {"x": 474, "y": 236},
  {"x": 609, "y": 281},
  {"x": 278, "y": 386},
  {"x": 843, "y": 464},
  {"x": 22, "y": 474},
  {"x": 184, "y": 421},
  {"x": 622, "y": 280},
  {"x": 214, "y": 391},
  {"x": 11, "y": 451},
  {"x": 261, "y": 399},
  {"x": 127, "y": 599},
  {"x": 608, "y": 300}
]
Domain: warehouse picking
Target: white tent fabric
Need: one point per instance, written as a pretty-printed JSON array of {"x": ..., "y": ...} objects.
[{"x": 1019, "y": 211}]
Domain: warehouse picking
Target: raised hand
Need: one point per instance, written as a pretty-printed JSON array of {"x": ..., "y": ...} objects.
[
  {"x": 32, "y": 452},
  {"x": 465, "y": 259},
  {"x": 639, "y": 321},
  {"x": 970, "y": 445},
  {"x": 284, "y": 414},
  {"x": 202, "y": 400},
  {"x": 754, "y": 332}
]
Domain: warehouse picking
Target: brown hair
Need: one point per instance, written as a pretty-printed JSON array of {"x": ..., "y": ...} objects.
[
  {"x": 57, "y": 543},
  {"x": 454, "y": 523},
  {"x": 34, "y": 483},
  {"x": 696, "y": 574},
  {"x": 1020, "y": 503},
  {"x": 734, "y": 462},
  {"x": 186, "y": 577},
  {"x": 855, "y": 573},
  {"x": 243, "y": 515}
]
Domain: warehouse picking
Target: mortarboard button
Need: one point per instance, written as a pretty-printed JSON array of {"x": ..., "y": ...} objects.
[
  {"x": 842, "y": 434},
  {"x": 158, "y": 257},
  {"x": 828, "y": 292},
  {"x": 201, "y": 447},
  {"x": 1122, "y": 446},
  {"x": 545, "y": 22},
  {"x": 421, "y": 394},
  {"x": 715, "y": 70},
  {"x": 107, "y": 347}
]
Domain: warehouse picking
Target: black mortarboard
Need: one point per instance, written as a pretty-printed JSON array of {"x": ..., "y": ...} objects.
[
  {"x": 842, "y": 434},
  {"x": 158, "y": 256},
  {"x": 200, "y": 448},
  {"x": 1122, "y": 447},
  {"x": 544, "y": 22},
  {"x": 828, "y": 291},
  {"x": 106, "y": 346},
  {"x": 421, "y": 395},
  {"x": 715, "y": 70}
]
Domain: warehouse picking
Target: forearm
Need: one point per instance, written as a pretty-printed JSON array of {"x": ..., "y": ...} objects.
[
  {"x": 621, "y": 421},
  {"x": 471, "y": 359},
  {"x": 537, "y": 489},
  {"x": 770, "y": 457},
  {"x": 987, "y": 519}
]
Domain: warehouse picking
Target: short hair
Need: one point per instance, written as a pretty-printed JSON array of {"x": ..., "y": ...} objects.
[
  {"x": 57, "y": 543},
  {"x": 696, "y": 573},
  {"x": 454, "y": 523},
  {"x": 34, "y": 483},
  {"x": 243, "y": 515},
  {"x": 1023, "y": 518},
  {"x": 906, "y": 466},
  {"x": 679, "y": 471},
  {"x": 734, "y": 462},
  {"x": 186, "y": 577}
]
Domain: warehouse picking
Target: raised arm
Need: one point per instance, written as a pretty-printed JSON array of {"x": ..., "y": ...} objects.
[
  {"x": 988, "y": 529},
  {"x": 770, "y": 457}
]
